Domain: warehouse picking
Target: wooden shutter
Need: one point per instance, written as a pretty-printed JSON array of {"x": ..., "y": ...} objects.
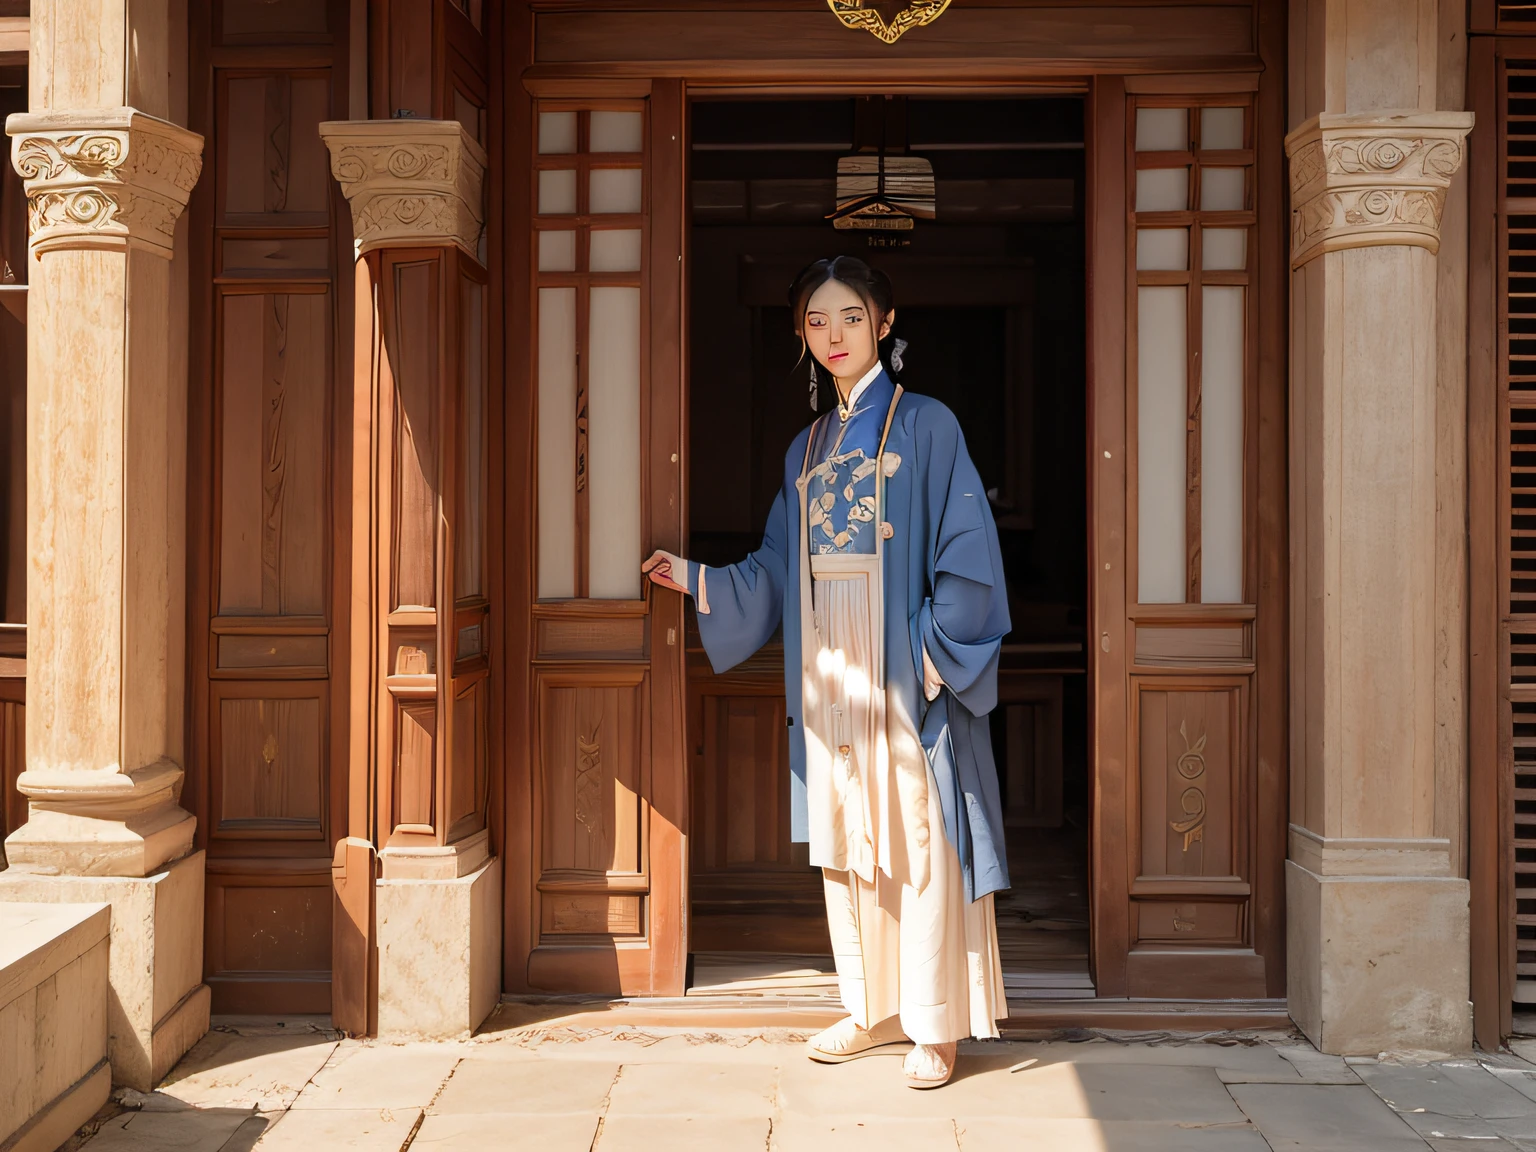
[{"x": 1503, "y": 551}]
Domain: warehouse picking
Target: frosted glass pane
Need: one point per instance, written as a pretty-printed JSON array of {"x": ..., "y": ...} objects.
[
  {"x": 1162, "y": 249},
  {"x": 1221, "y": 446},
  {"x": 557, "y": 133},
  {"x": 1224, "y": 249},
  {"x": 557, "y": 251},
  {"x": 1221, "y": 128},
  {"x": 616, "y": 132},
  {"x": 613, "y": 444},
  {"x": 557, "y": 192},
  {"x": 616, "y": 190},
  {"x": 1162, "y": 129},
  {"x": 1162, "y": 189},
  {"x": 616, "y": 251},
  {"x": 1160, "y": 433},
  {"x": 1221, "y": 189},
  {"x": 557, "y": 442}
]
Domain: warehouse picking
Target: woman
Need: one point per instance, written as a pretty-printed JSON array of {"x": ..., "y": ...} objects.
[{"x": 881, "y": 559}]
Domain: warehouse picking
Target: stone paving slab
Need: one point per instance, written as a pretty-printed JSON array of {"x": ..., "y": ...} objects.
[
  {"x": 1450, "y": 1088},
  {"x": 360, "y": 1076},
  {"x": 613, "y": 1089},
  {"x": 1105, "y": 1136},
  {"x": 687, "y": 1090},
  {"x": 266, "y": 1072},
  {"x": 368, "y": 1129},
  {"x": 1315, "y": 1067},
  {"x": 188, "y": 1130},
  {"x": 478, "y": 1132},
  {"x": 681, "y": 1134},
  {"x": 983, "y": 1086},
  {"x": 1324, "y": 1118},
  {"x": 817, "y": 1134},
  {"x": 531, "y": 1087}
]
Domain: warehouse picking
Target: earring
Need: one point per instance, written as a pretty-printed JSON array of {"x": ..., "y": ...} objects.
[
  {"x": 815, "y": 386},
  {"x": 896, "y": 350}
]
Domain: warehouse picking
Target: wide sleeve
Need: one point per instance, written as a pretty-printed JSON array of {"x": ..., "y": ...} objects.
[
  {"x": 963, "y": 620},
  {"x": 746, "y": 600}
]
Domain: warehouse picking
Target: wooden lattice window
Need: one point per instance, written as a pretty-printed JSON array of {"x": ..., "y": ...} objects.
[
  {"x": 1191, "y": 231},
  {"x": 589, "y": 198}
]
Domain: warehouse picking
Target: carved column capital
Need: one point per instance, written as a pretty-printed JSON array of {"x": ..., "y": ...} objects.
[
  {"x": 110, "y": 178},
  {"x": 1361, "y": 180},
  {"x": 411, "y": 183}
]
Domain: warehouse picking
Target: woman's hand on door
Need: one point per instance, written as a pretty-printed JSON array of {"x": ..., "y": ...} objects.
[{"x": 667, "y": 570}]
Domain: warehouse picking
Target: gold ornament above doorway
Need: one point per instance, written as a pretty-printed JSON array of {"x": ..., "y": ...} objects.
[{"x": 864, "y": 14}]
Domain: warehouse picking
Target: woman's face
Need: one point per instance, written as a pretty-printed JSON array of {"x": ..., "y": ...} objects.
[{"x": 840, "y": 331}]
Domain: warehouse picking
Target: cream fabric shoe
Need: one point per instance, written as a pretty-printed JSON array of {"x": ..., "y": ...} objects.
[
  {"x": 929, "y": 1065},
  {"x": 845, "y": 1040}
]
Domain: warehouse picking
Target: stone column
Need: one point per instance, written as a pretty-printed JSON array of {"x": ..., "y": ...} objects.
[
  {"x": 417, "y": 185},
  {"x": 105, "y": 187},
  {"x": 107, "y": 175},
  {"x": 1377, "y": 916}
]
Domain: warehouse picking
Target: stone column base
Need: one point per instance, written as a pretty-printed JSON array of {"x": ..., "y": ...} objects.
[
  {"x": 1376, "y": 962},
  {"x": 158, "y": 1006},
  {"x": 439, "y": 947}
]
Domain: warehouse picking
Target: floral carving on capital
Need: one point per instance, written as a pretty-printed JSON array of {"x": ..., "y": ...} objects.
[
  {"x": 104, "y": 178},
  {"x": 1359, "y": 181},
  {"x": 410, "y": 183}
]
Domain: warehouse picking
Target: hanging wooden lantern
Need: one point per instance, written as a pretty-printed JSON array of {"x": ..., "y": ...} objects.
[{"x": 877, "y": 193}]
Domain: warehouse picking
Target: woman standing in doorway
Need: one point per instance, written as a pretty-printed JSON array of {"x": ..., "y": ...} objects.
[{"x": 881, "y": 559}]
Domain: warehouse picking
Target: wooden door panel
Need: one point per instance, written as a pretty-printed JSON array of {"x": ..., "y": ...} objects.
[
  {"x": 270, "y": 756},
  {"x": 263, "y": 539},
  {"x": 1188, "y": 671},
  {"x": 752, "y": 889},
  {"x": 602, "y": 905},
  {"x": 590, "y": 741},
  {"x": 1188, "y": 771}
]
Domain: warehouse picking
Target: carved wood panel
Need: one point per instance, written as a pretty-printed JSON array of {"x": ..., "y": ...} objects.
[
  {"x": 271, "y": 753},
  {"x": 431, "y": 504},
  {"x": 1190, "y": 778},
  {"x": 274, "y": 163},
  {"x": 590, "y": 739},
  {"x": 1194, "y": 798},
  {"x": 415, "y": 759},
  {"x": 411, "y": 327},
  {"x": 267, "y": 937},
  {"x": 273, "y": 447}
]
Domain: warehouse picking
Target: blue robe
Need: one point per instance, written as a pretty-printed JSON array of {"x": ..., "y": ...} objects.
[{"x": 943, "y": 564}]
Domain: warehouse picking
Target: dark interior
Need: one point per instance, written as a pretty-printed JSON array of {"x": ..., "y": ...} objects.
[{"x": 990, "y": 296}]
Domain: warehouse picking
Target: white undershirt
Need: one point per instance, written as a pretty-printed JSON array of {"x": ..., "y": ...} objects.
[{"x": 853, "y": 394}]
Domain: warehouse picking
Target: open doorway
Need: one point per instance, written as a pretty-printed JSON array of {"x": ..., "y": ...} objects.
[{"x": 991, "y": 298}]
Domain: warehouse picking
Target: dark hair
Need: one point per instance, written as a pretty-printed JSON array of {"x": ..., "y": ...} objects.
[{"x": 872, "y": 286}]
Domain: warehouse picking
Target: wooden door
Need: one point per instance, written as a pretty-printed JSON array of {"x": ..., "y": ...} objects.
[
  {"x": 596, "y": 796},
  {"x": 1187, "y": 499},
  {"x": 267, "y": 236}
]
